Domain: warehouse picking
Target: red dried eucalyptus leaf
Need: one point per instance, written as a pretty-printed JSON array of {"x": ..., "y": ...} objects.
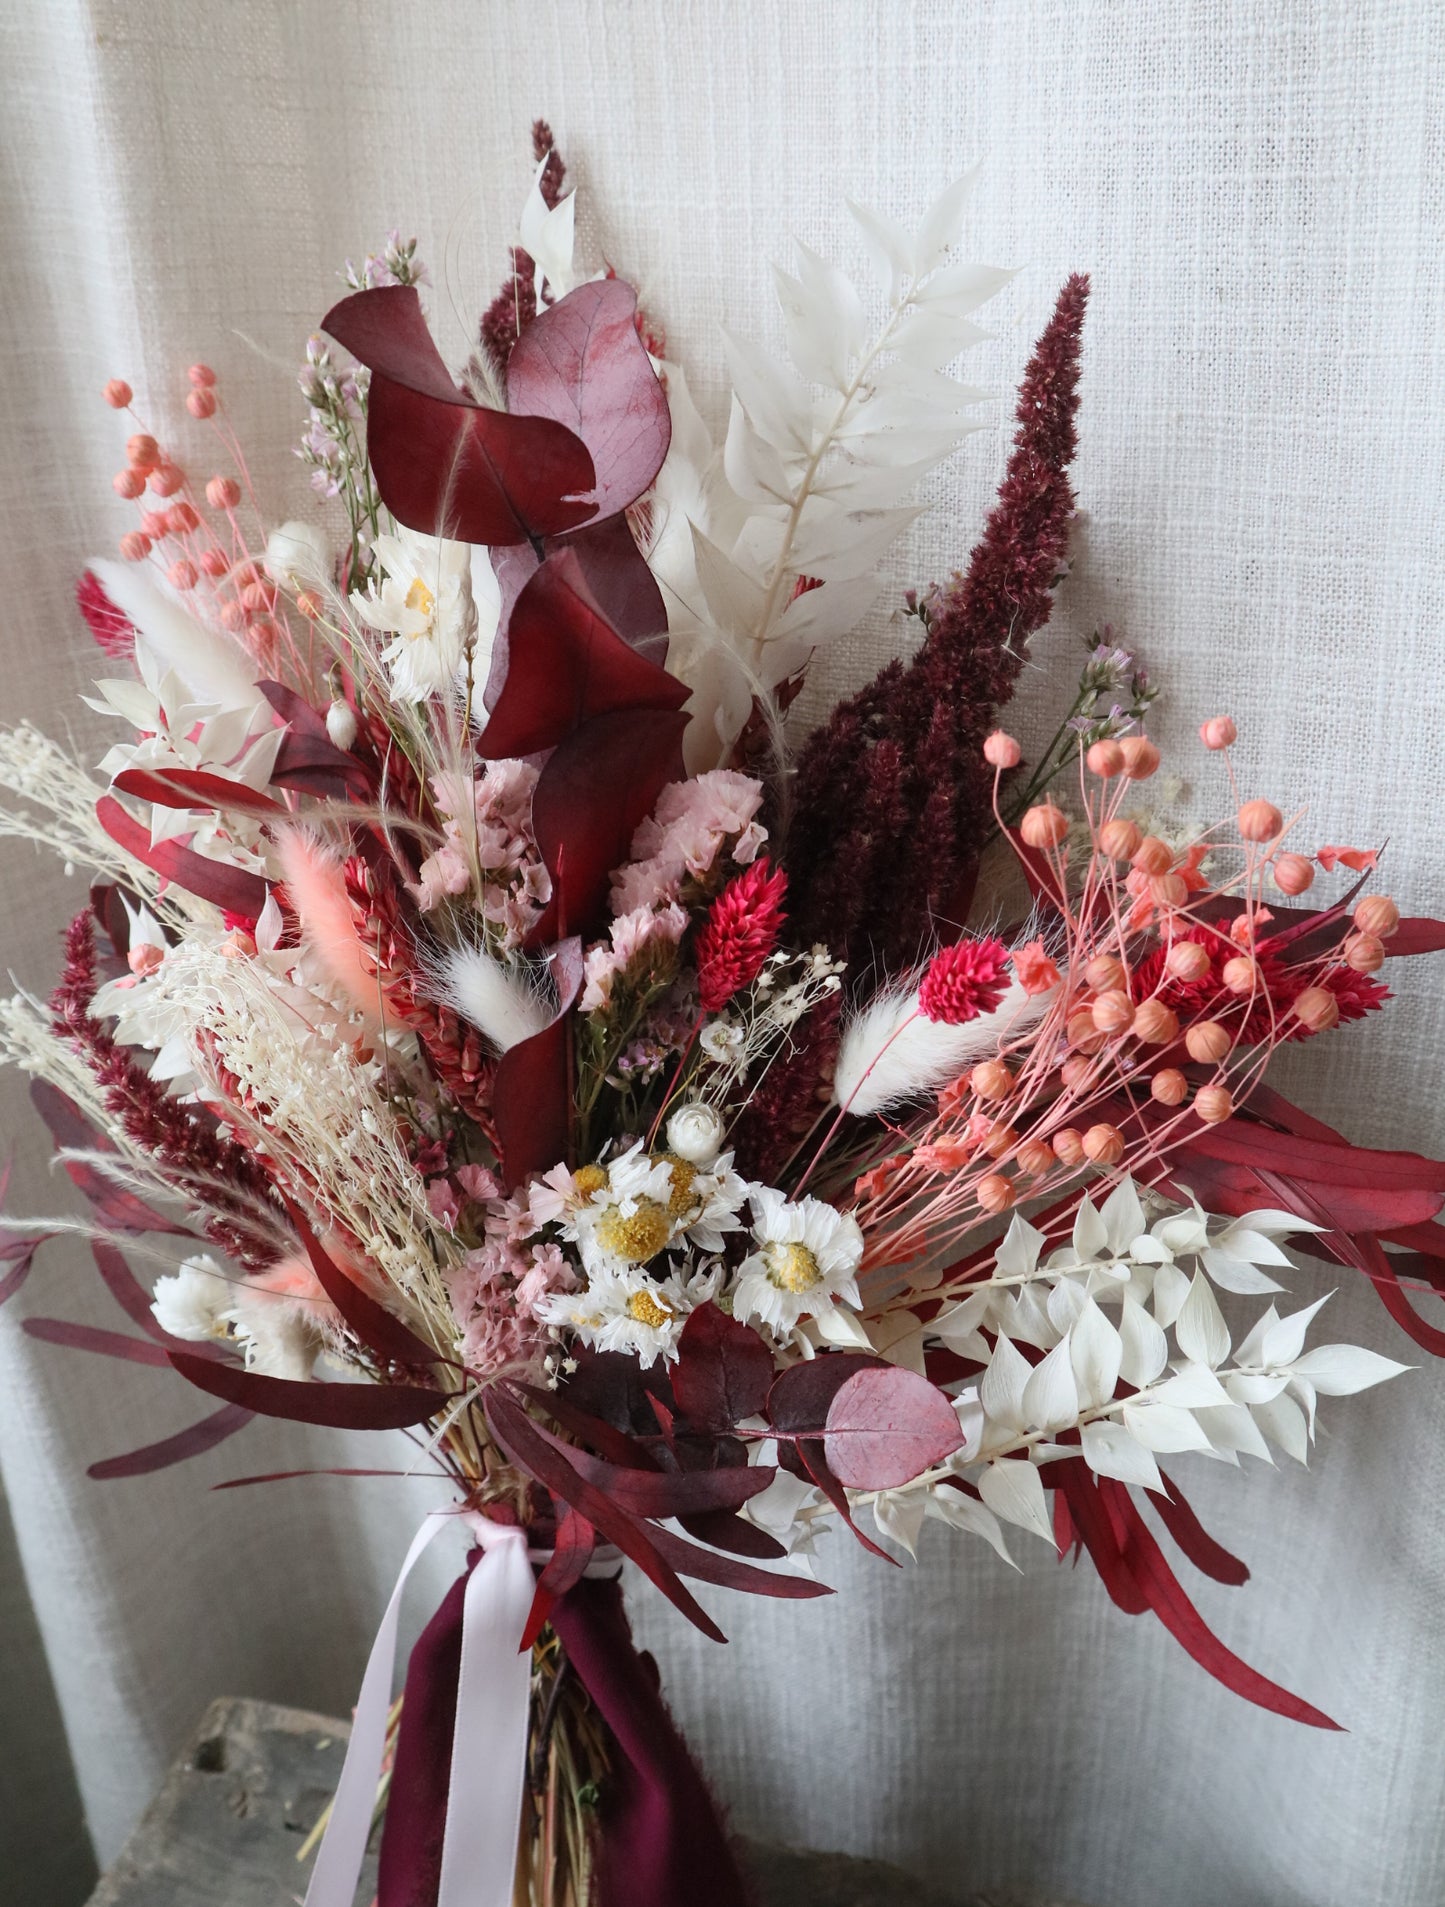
[
  {"x": 802, "y": 1395},
  {"x": 1322, "y": 1161},
  {"x": 607, "y": 1441},
  {"x": 582, "y": 364},
  {"x": 1194, "y": 1540},
  {"x": 728, "y": 1573},
  {"x": 724, "y": 1371},
  {"x": 382, "y": 1333},
  {"x": 193, "y": 788},
  {"x": 128, "y": 1291},
  {"x": 19, "y": 1255},
  {"x": 340, "y": 1406},
  {"x": 650, "y": 1493},
  {"x": 814, "y": 1461},
  {"x": 1158, "y": 1585},
  {"x": 567, "y": 663},
  {"x": 443, "y": 464},
  {"x": 122, "y": 1211},
  {"x": 521, "y": 1440},
  {"x": 1416, "y": 934},
  {"x": 596, "y": 788},
  {"x": 186, "y": 1443},
  {"x": 234, "y": 889},
  {"x": 886, "y": 1427},
  {"x": 723, "y": 1530},
  {"x": 87, "y": 1337},
  {"x": 308, "y": 760},
  {"x": 532, "y": 1091},
  {"x": 572, "y": 1551}
]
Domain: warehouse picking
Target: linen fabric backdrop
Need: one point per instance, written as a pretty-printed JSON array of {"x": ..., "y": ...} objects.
[{"x": 1256, "y": 191}]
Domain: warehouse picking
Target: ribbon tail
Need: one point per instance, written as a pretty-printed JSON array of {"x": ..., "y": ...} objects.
[
  {"x": 338, "y": 1863},
  {"x": 661, "y": 1839}
]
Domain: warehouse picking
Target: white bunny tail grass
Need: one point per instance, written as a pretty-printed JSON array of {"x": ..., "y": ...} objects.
[
  {"x": 505, "y": 999},
  {"x": 891, "y": 1054}
]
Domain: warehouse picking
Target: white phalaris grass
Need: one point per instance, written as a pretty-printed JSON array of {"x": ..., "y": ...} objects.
[{"x": 891, "y": 1054}]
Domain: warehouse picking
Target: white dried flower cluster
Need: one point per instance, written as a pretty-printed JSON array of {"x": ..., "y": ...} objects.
[{"x": 759, "y": 1021}]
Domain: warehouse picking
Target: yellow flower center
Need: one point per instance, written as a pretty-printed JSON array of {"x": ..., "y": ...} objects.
[
  {"x": 589, "y": 1181},
  {"x": 420, "y": 598},
  {"x": 649, "y": 1308},
  {"x": 792, "y": 1267},
  {"x": 680, "y": 1200},
  {"x": 636, "y": 1236}
]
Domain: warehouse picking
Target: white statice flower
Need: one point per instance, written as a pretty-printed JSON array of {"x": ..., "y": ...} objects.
[
  {"x": 194, "y": 1303},
  {"x": 625, "y": 1310},
  {"x": 807, "y": 1258},
  {"x": 425, "y": 604}
]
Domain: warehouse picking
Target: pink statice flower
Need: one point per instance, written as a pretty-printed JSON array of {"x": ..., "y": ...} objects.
[
  {"x": 630, "y": 938},
  {"x": 494, "y": 1294},
  {"x": 487, "y": 850},
  {"x": 684, "y": 835}
]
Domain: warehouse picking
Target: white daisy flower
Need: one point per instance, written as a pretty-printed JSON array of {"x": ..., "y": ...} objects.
[
  {"x": 628, "y": 1218},
  {"x": 626, "y": 1311},
  {"x": 807, "y": 1256},
  {"x": 425, "y": 604},
  {"x": 706, "y": 1205}
]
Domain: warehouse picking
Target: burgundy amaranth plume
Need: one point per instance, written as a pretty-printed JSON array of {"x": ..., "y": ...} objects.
[
  {"x": 515, "y": 305},
  {"x": 892, "y": 793}
]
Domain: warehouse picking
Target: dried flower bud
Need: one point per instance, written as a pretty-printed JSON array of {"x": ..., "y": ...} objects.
[
  {"x": 182, "y": 574},
  {"x": 1081, "y": 1032},
  {"x": 1169, "y": 1086},
  {"x": 1104, "y": 1144},
  {"x": 1035, "y": 1158},
  {"x": 1213, "y": 1104},
  {"x": 1377, "y": 914},
  {"x": 991, "y": 1079},
  {"x": 215, "y": 562},
  {"x": 154, "y": 524},
  {"x": 1104, "y": 972},
  {"x": 1241, "y": 974},
  {"x": 1208, "y": 1042},
  {"x": 1218, "y": 732},
  {"x": 1069, "y": 1146},
  {"x": 1168, "y": 890},
  {"x": 233, "y": 617},
  {"x": 128, "y": 484},
  {"x": 142, "y": 451},
  {"x": 135, "y": 546},
  {"x": 223, "y": 493},
  {"x": 117, "y": 393},
  {"x": 1002, "y": 751},
  {"x": 341, "y": 729},
  {"x": 1119, "y": 839},
  {"x": 182, "y": 518},
  {"x": 1365, "y": 953},
  {"x": 1076, "y": 1071},
  {"x": 1141, "y": 757},
  {"x": 994, "y": 1193},
  {"x": 258, "y": 598},
  {"x": 695, "y": 1133},
  {"x": 1318, "y": 1009},
  {"x": 1259, "y": 821},
  {"x": 1152, "y": 856},
  {"x": 1186, "y": 960},
  {"x": 1044, "y": 826},
  {"x": 1113, "y": 1011},
  {"x": 167, "y": 478},
  {"x": 1291, "y": 873},
  {"x": 1105, "y": 759},
  {"x": 202, "y": 376},
  {"x": 1154, "y": 1023},
  {"x": 201, "y": 403},
  {"x": 1001, "y": 1139}
]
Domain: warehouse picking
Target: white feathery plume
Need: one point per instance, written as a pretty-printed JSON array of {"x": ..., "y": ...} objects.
[
  {"x": 217, "y": 672},
  {"x": 503, "y": 999},
  {"x": 890, "y": 1053}
]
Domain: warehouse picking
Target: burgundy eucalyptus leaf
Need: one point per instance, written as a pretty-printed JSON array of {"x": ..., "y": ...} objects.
[
  {"x": 605, "y": 1439},
  {"x": 86, "y": 1337},
  {"x": 128, "y": 1291},
  {"x": 802, "y": 1395},
  {"x": 442, "y": 463},
  {"x": 594, "y": 791},
  {"x": 566, "y": 663},
  {"x": 650, "y": 1493},
  {"x": 308, "y": 760},
  {"x": 1177, "y": 1516},
  {"x": 376, "y": 1327},
  {"x": 532, "y": 1091},
  {"x": 723, "y": 1372},
  {"x": 232, "y": 888},
  {"x": 571, "y": 1552},
  {"x": 582, "y": 364},
  {"x": 721, "y": 1529},
  {"x": 688, "y": 1560},
  {"x": 1416, "y": 934},
  {"x": 193, "y": 788},
  {"x": 886, "y": 1427},
  {"x": 341, "y": 1406},
  {"x": 186, "y": 1443}
]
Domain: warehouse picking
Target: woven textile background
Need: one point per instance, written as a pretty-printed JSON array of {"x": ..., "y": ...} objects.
[{"x": 1256, "y": 188}]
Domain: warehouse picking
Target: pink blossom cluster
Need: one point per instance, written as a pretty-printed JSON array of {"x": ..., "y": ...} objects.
[
  {"x": 488, "y": 833},
  {"x": 630, "y": 936},
  {"x": 685, "y": 834},
  {"x": 494, "y": 1296}
]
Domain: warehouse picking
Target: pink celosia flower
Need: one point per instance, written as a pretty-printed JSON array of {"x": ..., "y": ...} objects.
[
  {"x": 740, "y": 932},
  {"x": 963, "y": 981}
]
